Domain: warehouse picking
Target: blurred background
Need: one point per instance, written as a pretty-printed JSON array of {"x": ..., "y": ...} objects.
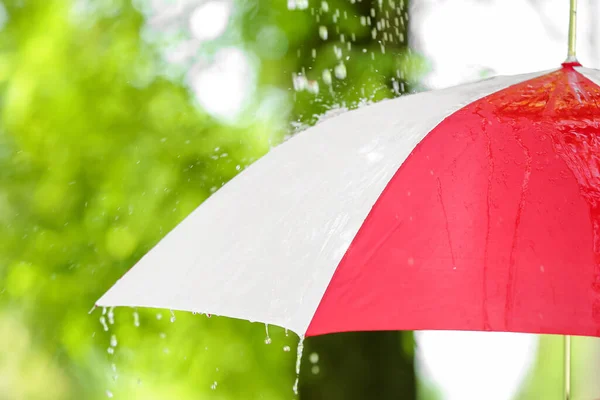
[{"x": 119, "y": 117}]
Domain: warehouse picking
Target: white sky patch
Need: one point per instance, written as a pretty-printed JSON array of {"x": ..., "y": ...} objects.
[
  {"x": 209, "y": 20},
  {"x": 223, "y": 87},
  {"x": 475, "y": 365},
  {"x": 465, "y": 38}
]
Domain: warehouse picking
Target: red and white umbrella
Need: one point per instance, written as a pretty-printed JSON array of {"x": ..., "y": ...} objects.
[{"x": 471, "y": 208}]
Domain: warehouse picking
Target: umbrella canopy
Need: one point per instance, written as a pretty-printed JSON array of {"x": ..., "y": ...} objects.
[{"x": 470, "y": 208}]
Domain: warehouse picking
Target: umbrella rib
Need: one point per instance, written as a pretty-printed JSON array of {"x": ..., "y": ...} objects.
[
  {"x": 440, "y": 196},
  {"x": 512, "y": 271}
]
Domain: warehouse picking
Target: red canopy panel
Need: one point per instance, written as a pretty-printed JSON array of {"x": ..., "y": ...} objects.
[{"x": 492, "y": 223}]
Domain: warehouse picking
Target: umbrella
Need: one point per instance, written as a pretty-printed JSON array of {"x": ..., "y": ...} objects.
[{"x": 470, "y": 208}]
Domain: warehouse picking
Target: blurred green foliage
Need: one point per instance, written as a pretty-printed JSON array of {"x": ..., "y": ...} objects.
[{"x": 103, "y": 150}]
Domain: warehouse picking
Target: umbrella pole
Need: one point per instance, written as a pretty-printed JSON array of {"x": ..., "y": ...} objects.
[
  {"x": 567, "y": 366},
  {"x": 571, "y": 55}
]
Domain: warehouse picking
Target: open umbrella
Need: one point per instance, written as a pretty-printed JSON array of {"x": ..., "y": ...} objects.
[{"x": 471, "y": 208}]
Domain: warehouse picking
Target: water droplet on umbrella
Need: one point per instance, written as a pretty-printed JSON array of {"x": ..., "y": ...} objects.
[
  {"x": 315, "y": 369},
  {"x": 214, "y": 385},
  {"x": 113, "y": 341},
  {"x": 136, "y": 319},
  {"x": 172, "y": 316},
  {"x": 314, "y": 358},
  {"x": 286, "y": 348},
  {"x": 109, "y": 394}
]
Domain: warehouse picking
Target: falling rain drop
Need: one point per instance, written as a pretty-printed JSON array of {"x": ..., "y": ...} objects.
[
  {"x": 323, "y": 33},
  {"x": 324, "y": 6},
  {"x": 111, "y": 316},
  {"x": 214, "y": 385},
  {"x": 103, "y": 322},
  {"x": 312, "y": 87},
  {"x": 297, "y": 4},
  {"x": 136, "y": 319},
  {"x": 113, "y": 341},
  {"x": 113, "y": 367},
  {"x": 338, "y": 52},
  {"x": 298, "y": 363},
  {"x": 268, "y": 338},
  {"x": 327, "y": 77},
  {"x": 340, "y": 71}
]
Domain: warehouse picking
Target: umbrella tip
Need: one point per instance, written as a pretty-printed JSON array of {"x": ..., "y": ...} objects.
[{"x": 571, "y": 64}]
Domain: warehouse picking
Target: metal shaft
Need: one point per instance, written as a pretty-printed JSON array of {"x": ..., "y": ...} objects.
[
  {"x": 567, "y": 367},
  {"x": 571, "y": 55}
]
